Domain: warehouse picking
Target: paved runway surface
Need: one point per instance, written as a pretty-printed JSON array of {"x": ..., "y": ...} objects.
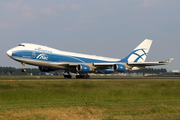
[{"x": 109, "y": 78}]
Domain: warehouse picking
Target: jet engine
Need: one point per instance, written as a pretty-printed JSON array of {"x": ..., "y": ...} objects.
[
  {"x": 83, "y": 68},
  {"x": 119, "y": 67},
  {"x": 45, "y": 69}
]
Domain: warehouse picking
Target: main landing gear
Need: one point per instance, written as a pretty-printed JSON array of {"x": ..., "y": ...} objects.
[
  {"x": 80, "y": 76},
  {"x": 67, "y": 75},
  {"x": 23, "y": 69},
  {"x": 86, "y": 76}
]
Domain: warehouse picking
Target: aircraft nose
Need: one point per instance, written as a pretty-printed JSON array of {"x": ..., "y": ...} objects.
[{"x": 9, "y": 53}]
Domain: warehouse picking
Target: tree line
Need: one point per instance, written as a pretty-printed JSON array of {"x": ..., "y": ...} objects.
[
  {"x": 17, "y": 71},
  {"x": 150, "y": 70}
]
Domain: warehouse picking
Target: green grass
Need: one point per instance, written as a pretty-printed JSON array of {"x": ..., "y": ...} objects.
[
  {"x": 118, "y": 97},
  {"x": 97, "y": 92},
  {"x": 102, "y": 92}
]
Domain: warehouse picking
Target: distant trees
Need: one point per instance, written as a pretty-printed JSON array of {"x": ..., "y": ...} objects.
[
  {"x": 36, "y": 71},
  {"x": 17, "y": 71},
  {"x": 150, "y": 70}
]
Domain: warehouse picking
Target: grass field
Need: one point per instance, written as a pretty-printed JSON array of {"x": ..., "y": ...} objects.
[{"x": 107, "y": 99}]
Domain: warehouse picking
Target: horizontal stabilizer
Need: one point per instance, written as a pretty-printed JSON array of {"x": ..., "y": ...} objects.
[
  {"x": 143, "y": 64},
  {"x": 167, "y": 61}
]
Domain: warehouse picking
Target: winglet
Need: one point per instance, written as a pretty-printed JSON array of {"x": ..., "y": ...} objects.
[{"x": 167, "y": 61}]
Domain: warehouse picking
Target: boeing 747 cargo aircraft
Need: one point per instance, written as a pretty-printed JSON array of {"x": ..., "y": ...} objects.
[{"x": 50, "y": 59}]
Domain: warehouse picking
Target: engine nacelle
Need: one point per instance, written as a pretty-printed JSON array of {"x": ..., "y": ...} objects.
[
  {"x": 119, "y": 67},
  {"x": 83, "y": 68},
  {"x": 45, "y": 69}
]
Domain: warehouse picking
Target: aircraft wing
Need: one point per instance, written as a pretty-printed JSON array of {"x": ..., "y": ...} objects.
[
  {"x": 103, "y": 64},
  {"x": 75, "y": 64},
  {"x": 65, "y": 64},
  {"x": 143, "y": 64}
]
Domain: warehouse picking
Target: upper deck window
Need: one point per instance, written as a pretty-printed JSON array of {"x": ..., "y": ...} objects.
[{"x": 21, "y": 45}]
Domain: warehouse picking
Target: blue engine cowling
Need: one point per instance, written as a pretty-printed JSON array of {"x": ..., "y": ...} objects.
[
  {"x": 83, "y": 68},
  {"x": 45, "y": 69},
  {"x": 119, "y": 67}
]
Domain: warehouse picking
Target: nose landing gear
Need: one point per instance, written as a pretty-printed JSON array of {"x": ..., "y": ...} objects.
[{"x": 23, "y": 69}]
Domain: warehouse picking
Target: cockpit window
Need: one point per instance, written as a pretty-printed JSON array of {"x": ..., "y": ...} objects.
[{"x": 21, "y": 45}]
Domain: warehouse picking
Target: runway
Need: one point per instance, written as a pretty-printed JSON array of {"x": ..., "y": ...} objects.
[{"x": 92, "y": 78}]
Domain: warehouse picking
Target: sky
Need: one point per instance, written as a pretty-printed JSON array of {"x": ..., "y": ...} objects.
[{"x": 109, "y": 28}]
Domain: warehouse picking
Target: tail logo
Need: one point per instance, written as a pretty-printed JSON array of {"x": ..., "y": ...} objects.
[{"x": 138, "y": 55}]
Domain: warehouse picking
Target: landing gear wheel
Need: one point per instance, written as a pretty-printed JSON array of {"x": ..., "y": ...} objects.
[
  {"x": 77, "y": 76},
  {"x": 87, "y": 76},
  {"x": 68, "y": 76},
  {"x": 82, "y": 76},
  {"x": 23, "y": 70}
]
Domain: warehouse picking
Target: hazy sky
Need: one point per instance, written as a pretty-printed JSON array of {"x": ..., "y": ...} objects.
[{"x": 110, "y": 28}]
